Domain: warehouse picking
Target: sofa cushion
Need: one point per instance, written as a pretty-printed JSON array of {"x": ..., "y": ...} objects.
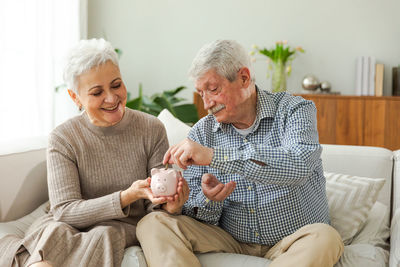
[
  {"x": 350, "y": 199},
  {"x": 364, "y": 255},
  {"x": 376, "y": 229},
  {"x": 134, "y": 257}
]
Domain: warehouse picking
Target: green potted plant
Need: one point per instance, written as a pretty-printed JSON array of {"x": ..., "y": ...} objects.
[
  {"x": 165, "y": 100},
  {"x": 280, "y": 58}
]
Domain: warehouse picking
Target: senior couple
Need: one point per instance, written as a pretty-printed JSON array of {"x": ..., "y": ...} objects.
[{"x": 252, "y": 182}]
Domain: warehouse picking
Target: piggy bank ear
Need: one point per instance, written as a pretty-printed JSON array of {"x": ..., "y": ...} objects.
[{"x": 154, "y": 171}]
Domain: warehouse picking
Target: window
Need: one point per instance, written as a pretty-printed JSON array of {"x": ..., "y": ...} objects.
[{"x": 35, "y": 36}]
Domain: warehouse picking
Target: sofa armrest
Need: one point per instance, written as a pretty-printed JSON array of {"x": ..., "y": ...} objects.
[
  {"x": 395, "y": 225},
  {"x": 23, "y": 183},
  {"x": 395, "y": 240},
  {"x": 396, "y": 182},
  {"x": 20, "y": 226}
]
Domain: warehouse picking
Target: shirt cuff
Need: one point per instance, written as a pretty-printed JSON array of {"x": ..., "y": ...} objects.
[
  {"x": 205, "y": 206},
  {"x": 116, "y": 201}
]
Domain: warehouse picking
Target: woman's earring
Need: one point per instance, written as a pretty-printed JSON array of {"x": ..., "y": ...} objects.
[{"x": 80, "y": 108}]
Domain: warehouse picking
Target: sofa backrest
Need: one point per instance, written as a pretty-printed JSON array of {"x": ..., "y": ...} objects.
[
  {"x": 23, "y": 184},
  {"x": 364, "y": 161}
]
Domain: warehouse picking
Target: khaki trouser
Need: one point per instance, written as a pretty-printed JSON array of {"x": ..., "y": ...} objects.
[{"x": 169, "y": 240}]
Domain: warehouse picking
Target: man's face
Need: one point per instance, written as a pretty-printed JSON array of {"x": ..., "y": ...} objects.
[{"x": 221, "y": 97}]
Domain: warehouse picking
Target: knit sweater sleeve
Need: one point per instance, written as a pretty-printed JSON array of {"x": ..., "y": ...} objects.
[
  {"x": 67, "y": 204},
  {"x": 158, "y": 145}
]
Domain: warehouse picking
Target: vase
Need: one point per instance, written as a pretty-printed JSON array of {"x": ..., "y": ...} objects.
[{"x": 278, "y": 76}]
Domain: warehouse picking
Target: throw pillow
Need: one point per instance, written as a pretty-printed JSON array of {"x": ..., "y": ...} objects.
[
  {"x": 364, "y": 255},
  {"x": 376, "y": 229},
  {"x": 176, "y": 129},
  {"x": 350, "y": 199}
]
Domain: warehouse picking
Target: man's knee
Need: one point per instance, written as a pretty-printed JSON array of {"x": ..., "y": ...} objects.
[
  {"x": 327, "y": 238},
  {"x": 150, "y": 222}
]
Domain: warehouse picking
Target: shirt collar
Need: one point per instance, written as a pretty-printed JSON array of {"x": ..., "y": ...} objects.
[{"x": 266, "y": 108}]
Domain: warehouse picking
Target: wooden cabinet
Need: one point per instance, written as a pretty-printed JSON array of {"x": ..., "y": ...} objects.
[
  {"x": 358, "y": 120},
  {"x": 352, "y": 120}
]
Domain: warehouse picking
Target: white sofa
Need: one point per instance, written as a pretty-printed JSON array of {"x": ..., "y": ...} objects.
[{"x": 23, "y": 189}]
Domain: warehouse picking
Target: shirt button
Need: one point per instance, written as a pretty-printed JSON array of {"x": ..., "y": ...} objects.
[
  {"x": 225, "y": 157},
  {"x": 252, "y": 211},
  {"x": 256, "y": 234},
  {"x": 245, "y": 140},
  {"x": 207, "y": 200},
  {"x": 249, "y": 188}
]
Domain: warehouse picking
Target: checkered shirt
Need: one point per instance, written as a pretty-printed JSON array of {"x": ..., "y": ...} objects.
[{"x": 271, "y": 200}]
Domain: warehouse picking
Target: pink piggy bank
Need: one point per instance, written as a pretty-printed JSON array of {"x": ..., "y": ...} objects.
[{"x": 164, "y": 182}]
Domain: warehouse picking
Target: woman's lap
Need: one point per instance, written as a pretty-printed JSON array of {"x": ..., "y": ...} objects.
[{"x": 102, "y": 244}]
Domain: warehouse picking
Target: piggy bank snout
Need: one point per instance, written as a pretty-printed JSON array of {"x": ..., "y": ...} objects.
[
  {"x": 160, "y": 187},
  {"x": 164, "y": 182}
]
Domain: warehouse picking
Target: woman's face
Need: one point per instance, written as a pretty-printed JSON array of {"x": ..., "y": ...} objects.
[{"x": 102, "y": 93}]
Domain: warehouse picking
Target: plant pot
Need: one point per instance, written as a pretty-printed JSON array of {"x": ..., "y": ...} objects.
[{"x": 278, "y": 77}]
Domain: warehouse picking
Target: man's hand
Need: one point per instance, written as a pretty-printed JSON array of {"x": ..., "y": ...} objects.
[
  {"x": 187, "y": 153},
  {"x": 174, "y": 206},
  {"x": 215, "y": 190}
]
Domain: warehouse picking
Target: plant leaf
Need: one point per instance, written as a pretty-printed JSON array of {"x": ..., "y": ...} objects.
[
  {"x": 135, "y": 103},
  {"x": 187, "y": 113},
  {"x": 163, "y": 102},
  {"x": 173, "y": 92},
  {"x": 175, "y": 100}
]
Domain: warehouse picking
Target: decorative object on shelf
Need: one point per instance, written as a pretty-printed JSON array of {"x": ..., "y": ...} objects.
[
  {"x": 310, "y": 82},
  {"x": 325, "y": 87},
  {"x": 396, "y": 81},
  {"x": 279, "y": 62}
]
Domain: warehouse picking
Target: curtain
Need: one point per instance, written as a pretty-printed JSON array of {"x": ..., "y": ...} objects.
[{"x": 35, "y": 36}]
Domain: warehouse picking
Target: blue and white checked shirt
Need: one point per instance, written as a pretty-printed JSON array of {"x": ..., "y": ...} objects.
[{"x": 271, "y": 201}]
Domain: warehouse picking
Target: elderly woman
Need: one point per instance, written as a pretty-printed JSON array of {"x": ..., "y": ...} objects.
[{"x": 97, "y": 167}]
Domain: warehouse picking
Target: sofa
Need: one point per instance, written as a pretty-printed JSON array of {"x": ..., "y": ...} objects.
[{"x": 363, "y": 188}]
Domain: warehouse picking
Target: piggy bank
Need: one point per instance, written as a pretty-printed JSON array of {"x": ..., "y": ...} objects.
[{"x": 164, "y": 182}]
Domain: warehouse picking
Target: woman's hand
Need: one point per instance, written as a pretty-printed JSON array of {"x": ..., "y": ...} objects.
[
  {"x": 175, "y": 205},
  {"x": 140, "y": 189}
]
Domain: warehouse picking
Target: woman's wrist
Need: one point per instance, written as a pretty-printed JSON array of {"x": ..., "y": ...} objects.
[{"x": 127, "y": 197}]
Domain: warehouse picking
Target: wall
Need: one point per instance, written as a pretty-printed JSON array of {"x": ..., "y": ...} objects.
[{"x": 160, "y": 38}]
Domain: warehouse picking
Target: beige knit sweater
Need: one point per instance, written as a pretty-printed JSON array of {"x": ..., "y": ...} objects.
[{"x": 88, "y": 167}]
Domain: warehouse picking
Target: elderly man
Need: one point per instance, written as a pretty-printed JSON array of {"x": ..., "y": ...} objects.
[{"x": 254, "y": 171}]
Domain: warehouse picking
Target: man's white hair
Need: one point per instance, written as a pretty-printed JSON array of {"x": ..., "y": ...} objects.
[
  {"x": 226, "y": 57},
  {"x": 86, "y": 55}
]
